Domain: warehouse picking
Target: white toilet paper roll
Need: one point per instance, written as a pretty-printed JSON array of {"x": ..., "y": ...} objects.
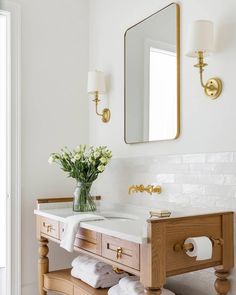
[{"x": 202, "y": 248}]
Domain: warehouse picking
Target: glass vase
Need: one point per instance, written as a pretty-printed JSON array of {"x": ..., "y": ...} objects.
[{"x": 83, "y": 201}]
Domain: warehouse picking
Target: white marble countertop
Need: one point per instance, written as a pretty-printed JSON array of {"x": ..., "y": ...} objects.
[
  {"x": 124, "y": 222},
  {"x": 117, "y": 224}
]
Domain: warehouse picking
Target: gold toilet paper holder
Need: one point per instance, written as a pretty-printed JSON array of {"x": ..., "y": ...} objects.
[{"x": 189, "y": 246}]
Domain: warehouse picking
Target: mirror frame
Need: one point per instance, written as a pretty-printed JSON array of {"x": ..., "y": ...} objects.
[{"x": 177, "y": 6}]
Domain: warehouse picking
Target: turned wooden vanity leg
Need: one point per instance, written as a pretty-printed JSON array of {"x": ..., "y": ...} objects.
[
  {"x": 222, "y": 284},
  {"x": 153, "y": 291},
  {"x": 43, "y": 263}
]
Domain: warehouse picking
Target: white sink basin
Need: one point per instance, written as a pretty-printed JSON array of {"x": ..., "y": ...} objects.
[{"x": 117, "y": 216}]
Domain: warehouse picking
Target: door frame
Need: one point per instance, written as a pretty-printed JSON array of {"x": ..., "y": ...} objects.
[{"x": 13, "y": 259}]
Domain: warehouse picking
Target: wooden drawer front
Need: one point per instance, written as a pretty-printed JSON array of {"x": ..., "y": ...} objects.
[
  {"x": 86, "y": 239},
  {"x": 121, "y": 251},
  {"x": 49, "y": 227}
]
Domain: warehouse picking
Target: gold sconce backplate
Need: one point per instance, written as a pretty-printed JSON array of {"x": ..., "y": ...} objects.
[
  {"x": 213, "y": 88},
  {"x": 106, "y": 115}
]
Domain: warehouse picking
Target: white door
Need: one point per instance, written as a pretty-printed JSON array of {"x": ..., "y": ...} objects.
[
  {"x": 10, "y": 252},
  {"x": 3, "y": 133},
  {"x": 4, "y": 100}
]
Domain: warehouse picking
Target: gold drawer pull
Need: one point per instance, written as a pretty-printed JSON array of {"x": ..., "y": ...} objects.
[
  {"x": 49, "y": 227},
  {"x": 119, "y": 252}
]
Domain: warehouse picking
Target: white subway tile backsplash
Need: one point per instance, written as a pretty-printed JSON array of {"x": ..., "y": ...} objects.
[
  {"x": 199, "y": 179},
  {"x": 220, "y": 190},
  {"x": 165, "y": 178},
  {"x": 190, "y": 180},
  {"x": 230, "y": 179},
  {"x": 196, "y": 158},
  {"x": 226, "y": 168},
  {"x": 168, "y": 159},
  {"x": 220, "y": 157},
  {"x": 197, "y": 168},
  {"x": 171, "y": 188},
  {"x": 193, "y": 189},
  {"x": 234, "y": 156}
]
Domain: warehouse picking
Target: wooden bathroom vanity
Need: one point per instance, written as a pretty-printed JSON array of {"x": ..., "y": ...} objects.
[{"x": 154, "y": 257}]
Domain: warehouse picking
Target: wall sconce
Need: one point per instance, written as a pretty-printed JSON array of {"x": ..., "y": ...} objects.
[
  {"x": 96, "y": 86},
  {"x": 201, "y": 44}
]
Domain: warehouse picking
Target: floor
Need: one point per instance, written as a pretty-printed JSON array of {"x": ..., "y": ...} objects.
[{"x": 2, "y": 281}]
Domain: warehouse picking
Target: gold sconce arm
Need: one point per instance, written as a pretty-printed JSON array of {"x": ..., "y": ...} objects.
[
  {"x": 150, "y": 189},
  {"x": 106, "y": 114},
  {"x": 213, "y": 87}
]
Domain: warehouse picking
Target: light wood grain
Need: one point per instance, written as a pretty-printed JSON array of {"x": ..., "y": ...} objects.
[
  {"x": 178, "y": 231},
  {"x": 106, "y": 260},
  {"x": 152, "y": 291},
  {"x": 167, "y": 232},
  {"x": 222, "y": 284},
  {"x": 54, "y": 200},
  {"x": 159, "y": 257},
  {"x": 61, "y": 281},
  {"x": 85, "y": 239},
  {"x": 43, "y": 264},
  {"x": 130, "y": 251},
  {"x": 61, "y": 199},
  {"x": 153, "y": 259},
  {"x": 228, "y": 238}
]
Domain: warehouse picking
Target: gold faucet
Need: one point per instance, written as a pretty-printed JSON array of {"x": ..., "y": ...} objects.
[{"x": 150, "y": 189}]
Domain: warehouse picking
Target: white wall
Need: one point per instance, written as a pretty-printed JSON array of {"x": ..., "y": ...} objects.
[
  {"x": 3, "y": 123},
  {"x": 206, "y": 126},
  {"x": 54, "y": 109}
]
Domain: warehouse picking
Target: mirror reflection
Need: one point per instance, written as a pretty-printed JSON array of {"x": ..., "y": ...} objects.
[{"x": 152, "y": 77}]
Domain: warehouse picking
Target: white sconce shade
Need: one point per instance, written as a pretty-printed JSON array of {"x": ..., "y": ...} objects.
[
  {"x": 96, "y": 82},
  {"x": 201, "y": 44},
  {"x": 201, "y": 38}
]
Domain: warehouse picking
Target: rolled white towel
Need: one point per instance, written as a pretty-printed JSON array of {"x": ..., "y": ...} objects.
[
  {"x": 98, "y": 281},
  {"x": 132, "y": 286},
  {"x": 72, "y": 224},
  {"x": 167, "y": 292},
  {"x": 91, "y": 265},
  {"x": 115, "y": 290}
]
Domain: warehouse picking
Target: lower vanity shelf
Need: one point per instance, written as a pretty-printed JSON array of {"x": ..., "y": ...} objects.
[{"x": 62, "y": 282}]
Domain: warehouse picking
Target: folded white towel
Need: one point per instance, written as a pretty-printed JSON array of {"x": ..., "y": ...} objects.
[
  {"x": 72, "y": 226},
  {"x": 116, "y": 290},
  {"x": 91, "y": 265},
  {"x": 98, "y": 281},
  {"x": 131, "y": 284}
]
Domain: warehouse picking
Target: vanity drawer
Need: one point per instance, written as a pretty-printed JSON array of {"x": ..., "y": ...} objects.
[
  {"x": 49, "y": 227},
  {"x": 86, "y": 239},
  {"x": 121, "y": 251}
]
